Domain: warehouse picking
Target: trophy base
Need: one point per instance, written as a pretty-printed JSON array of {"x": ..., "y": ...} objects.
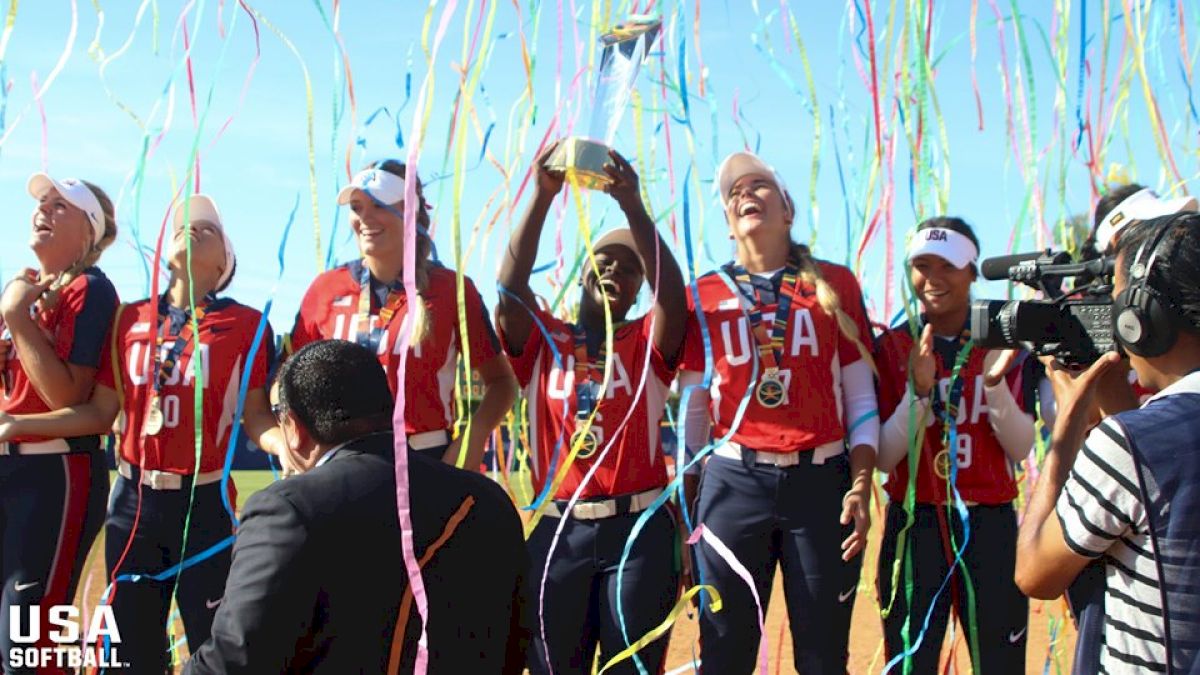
[{"x": 582, "y": 162}]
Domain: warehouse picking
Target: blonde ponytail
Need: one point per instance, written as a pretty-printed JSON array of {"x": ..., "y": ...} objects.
[
  {"x": 828, "y": 298},
  {"x": 420, "y": 314}
]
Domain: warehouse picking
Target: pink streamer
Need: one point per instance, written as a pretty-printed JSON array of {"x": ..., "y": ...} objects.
[
  {"x": 403, "y": 498},
  {"x": 702, "y": 532}
]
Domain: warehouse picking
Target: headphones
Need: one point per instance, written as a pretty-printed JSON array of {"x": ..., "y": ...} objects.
[{"x": 1146, "y": 322}]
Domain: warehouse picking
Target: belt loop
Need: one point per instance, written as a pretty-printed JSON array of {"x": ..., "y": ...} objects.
[{"x": 748, "y": 457}]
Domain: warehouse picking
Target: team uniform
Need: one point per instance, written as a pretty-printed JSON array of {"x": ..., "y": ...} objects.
[
  {"x": 984, "y": 480},
  {"x": 773, "y": 493},
  {"x": 579, "y": 608},
  {"x": 52, "y": 490},
  {"x": 157, "y": 464},
  {"x": 347, "y": 303}
]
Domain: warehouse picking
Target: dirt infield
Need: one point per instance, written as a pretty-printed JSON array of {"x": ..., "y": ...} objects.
[{"x": 866, "y": 637}]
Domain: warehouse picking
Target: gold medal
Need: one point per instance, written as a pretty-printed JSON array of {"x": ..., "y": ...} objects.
[
  {"x": 154, "y": 418},
  {"x": 770, "y": 391},
  {"x": 941, "y": 464},
  {"x": 588, "y": 445}
]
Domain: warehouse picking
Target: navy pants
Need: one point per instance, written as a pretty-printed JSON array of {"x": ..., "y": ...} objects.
[
  {"x": 141, "y": 608},
  {"x": 990, "y": 557},
  {"x": 51, "y": 509},
  {"x": 579, "y": 610},
  {"x": 435, "y": 453},
  {"x": 768, "y": 515}
]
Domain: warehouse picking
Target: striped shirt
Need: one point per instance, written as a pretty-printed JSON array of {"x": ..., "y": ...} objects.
[{"x": 1103, "y": 512}]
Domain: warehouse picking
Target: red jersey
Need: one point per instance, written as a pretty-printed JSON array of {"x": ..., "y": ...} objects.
[
  {"x": 985, "y": 474},
  {"x": 635, "y": 462},
  {"x": 78, "y": 327},
  {"x": 226, "y": 334},
  {"x": 330, "y": 310},
  {"x": 814, "y": 350}
]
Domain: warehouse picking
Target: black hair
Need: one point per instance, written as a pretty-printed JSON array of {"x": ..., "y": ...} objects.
[
  {"x": 954, "y": 224},
  {"x": 337, "y": 389},
  {"x": 1111, "y": 200},
  {"x": 1175, "y": 274}
]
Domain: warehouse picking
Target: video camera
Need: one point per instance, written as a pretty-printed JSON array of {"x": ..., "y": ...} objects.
[{"x": 1074, "y": 326}]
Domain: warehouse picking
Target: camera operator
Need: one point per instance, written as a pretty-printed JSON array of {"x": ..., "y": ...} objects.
[{"x": 1130, "y": 490}]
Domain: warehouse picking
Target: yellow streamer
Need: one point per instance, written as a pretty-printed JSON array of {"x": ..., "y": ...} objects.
[{"x": 657, "y": 631}]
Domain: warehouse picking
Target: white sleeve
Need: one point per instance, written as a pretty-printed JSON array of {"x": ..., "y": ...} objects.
[
  {"x": 1013, "y": 427},
  {"x": 696, "y": 421},
  {"x": 1101, "y": 500},
  {"x": 893, "y": 439},
  {"x": 859, "y": 405}
]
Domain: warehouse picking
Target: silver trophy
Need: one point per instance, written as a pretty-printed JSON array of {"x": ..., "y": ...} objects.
[{"x": 623, "y": 49}]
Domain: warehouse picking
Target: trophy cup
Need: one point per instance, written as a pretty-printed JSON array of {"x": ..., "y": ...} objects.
[{"x": 623, "y": 49}]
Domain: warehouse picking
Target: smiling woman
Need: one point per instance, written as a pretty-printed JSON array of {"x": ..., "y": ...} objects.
[
  {"x": 976, "y": 410},
  {"x": 54, "y": 323},
  {"x": 789, "y": 331},
  {"x": 365, "y": 301},
  {"x": 618, "y": 470}
]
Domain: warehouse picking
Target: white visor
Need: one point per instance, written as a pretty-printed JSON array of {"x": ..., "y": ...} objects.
[
  {"x": 202, "y": 207},
  {"x": 953, "y": 247},
  {"x": 740, "y": 164},
  {"x": 622, "y": 236},
  {"x": 1141, "y": 205},
  {"x": 77, "y": 194},
  {"x": 384, "y": 186}
]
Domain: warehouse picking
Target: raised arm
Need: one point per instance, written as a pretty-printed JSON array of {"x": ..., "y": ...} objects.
[
  {"x": 516, "y": 298},
  {"x": 670, "y": 309},
  {"x": 57, "y": 380}
]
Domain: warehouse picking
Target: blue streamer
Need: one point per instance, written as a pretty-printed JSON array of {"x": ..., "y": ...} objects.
[
  {"x": 244, "y": 387},
  {"x": 1083, "y": 42}
]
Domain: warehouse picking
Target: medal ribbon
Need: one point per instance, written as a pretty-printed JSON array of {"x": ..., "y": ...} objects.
[
  {"x": 164, "y": 366},
  {"x": 948, "y": 412},
  {"x": 370, "y": 338},
  {"x": 585, "y": 389},
  {"x": 770, "y": 345}
]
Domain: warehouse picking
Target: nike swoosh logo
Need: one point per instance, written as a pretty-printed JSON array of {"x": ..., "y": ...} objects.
[
  {"x": 212, "y": 604},
  {"x": 1016, "y": 637},
  {"x": 21, "y": 587},
  {"x": 843, "y": 597}
]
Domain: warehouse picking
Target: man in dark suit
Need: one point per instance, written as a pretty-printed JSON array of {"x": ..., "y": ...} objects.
[{"x": 318, "y": 582}]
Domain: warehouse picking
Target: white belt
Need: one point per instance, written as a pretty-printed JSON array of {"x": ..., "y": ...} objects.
[
  {"x": 606, "y": 508},
  {"x": 732, "y": 450},
  {"x": 165, "y": 480},
  {"x": 428, "y": 439},
  {"x": 54, "y": 446}
]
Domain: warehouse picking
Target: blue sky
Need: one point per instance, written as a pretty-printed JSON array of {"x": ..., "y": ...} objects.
[{"x": 258, "y": 167}]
